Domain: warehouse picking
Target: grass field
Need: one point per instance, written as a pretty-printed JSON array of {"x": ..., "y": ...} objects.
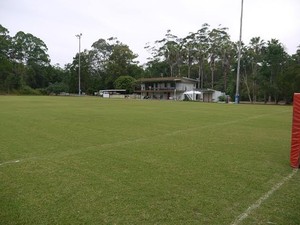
[{"x": 85, "y": 160}]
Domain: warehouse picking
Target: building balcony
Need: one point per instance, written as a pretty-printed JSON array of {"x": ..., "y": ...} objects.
[{"x": 159, "y": 90}]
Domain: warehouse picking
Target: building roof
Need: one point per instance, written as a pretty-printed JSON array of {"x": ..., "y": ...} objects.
[{"x": 167, "y": 79}]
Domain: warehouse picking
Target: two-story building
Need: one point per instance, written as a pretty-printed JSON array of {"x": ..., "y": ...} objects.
[
  {"x": 176, "y": 88},
  {"x": 165, "y": 87}
]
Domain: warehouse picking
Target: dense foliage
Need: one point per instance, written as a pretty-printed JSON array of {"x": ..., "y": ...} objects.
[{"x": 268, "y": 72}]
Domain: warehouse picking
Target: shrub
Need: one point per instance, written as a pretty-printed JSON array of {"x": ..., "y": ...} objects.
[
  {"x": 26, "y": 90},
  {"x": 57, "y": 88},
  {"x": 222, "y": 98}
]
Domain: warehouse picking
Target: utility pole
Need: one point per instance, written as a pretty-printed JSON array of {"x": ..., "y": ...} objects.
[
  {"x": 79, "y": 38},
  {"x": 237, "y": 93}
]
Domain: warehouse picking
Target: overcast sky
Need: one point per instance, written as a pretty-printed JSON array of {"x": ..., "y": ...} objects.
[{"x": 136, "y": 22}]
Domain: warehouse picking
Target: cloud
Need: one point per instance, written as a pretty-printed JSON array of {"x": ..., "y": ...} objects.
[{"x": 136, "y": 22}]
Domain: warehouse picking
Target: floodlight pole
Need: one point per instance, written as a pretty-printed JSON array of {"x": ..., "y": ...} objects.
[
  {"x": 237, "y": 93},
  {"x": 79, "y": 38}
]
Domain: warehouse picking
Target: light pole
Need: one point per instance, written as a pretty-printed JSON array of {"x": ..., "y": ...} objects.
[
  {"x": 237, "y": 93},
  {"x": 79, "y": 38}
]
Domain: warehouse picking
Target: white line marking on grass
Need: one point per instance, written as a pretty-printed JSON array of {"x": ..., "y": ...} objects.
[
  {"x": 263, "y": 198},
  {"x": 9, "y": 162},
  {"x": 229, "y": 122}
]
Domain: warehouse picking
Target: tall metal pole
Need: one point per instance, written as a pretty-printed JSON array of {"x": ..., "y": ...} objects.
[
  {"x": 79, "y": 38},
  {"x": 237, "y": 93}
]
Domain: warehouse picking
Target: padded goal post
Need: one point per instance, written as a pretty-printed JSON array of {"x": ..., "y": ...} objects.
[{"x": 295, "y": 142}]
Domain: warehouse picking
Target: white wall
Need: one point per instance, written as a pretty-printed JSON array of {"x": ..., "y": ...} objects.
[
  {"x": 183, "y": 87},
  {"x": 216, "y": 95},
  {"x": 180, "y": 88}
]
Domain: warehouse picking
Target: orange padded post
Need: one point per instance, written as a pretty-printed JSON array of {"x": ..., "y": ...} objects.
[{"x": 295, "y": 142}]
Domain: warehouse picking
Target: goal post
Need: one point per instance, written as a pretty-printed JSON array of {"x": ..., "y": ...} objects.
[{"x": 295, "y": 142}]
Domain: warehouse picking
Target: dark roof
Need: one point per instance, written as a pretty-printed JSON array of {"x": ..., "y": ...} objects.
[{"x": 166, "y": 79}]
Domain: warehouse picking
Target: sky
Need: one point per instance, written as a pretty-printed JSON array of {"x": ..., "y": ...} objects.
[{"x": 137, "y": 22}]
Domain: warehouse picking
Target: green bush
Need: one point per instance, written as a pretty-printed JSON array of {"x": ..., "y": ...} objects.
[
  {"x": 42, "y": 91},
  {"x": 222, "y": 98},
  {"x": 125, "y": 82},
  {"x": 26, "y": 90},
  {"x": 57, "y": 88}
]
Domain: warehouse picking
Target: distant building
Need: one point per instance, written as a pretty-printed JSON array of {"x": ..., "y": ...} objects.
[
  {"x": 210, "y": 95},
  {"x": 112, "y": 93},
  {"x": 165, "y": 87},
  {"x": 174, "y": 88}
]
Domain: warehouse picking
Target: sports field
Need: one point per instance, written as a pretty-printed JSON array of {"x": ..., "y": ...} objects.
[{"x": 86, "y": 160}]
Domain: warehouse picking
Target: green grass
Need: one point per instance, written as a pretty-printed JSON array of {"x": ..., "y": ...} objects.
[{"x": 97, "y": 161}]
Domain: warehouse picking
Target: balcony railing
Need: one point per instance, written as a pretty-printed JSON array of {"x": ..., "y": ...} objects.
[{"x": 160, "y": 89}]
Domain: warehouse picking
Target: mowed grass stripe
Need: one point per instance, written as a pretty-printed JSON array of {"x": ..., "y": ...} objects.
[
  {"x": 143, "y": 139},
  {"x": 76, "y": 131},
  {"x": 200, "y": 128},
  {"x": 139, "y": 162}
]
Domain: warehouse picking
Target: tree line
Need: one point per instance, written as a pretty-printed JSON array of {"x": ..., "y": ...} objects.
[{"x": 268, "y": 72}]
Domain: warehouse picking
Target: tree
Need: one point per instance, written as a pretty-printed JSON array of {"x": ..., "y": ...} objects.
[
  {"x": 218, "y": 38},
  {"x": 85, "y": 72},
  {"x": 121, "y": 61},
  {"x": 28, "y": 49},
  {"x": 102, "y": 65},
  {"x": 201, "y": 54},
  {"x": 274, "y": 63},
  {"x": 188, "y": 52},
  {"x": 256, "y": 54},
  {"x": 290, "y": 82},
  {"x": 156, "y": 68},
  {"x": 26, "y": 57},
  {"x": 99, "y": 54},
  {"x": 125, "y": 82},
  {"x": 169, "y": 49},
  {"x": 5, "y": 43},
  {"x": 227, "y": 57},
  {"x": 7, "y": 78}
]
